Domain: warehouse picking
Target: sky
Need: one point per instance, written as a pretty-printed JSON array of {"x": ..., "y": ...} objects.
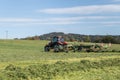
[{"x": 24, "y": 18}]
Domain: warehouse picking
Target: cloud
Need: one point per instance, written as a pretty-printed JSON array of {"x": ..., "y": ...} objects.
[
  {"x": 92, "y": 9},
  {"x": 116, "y": 0},
  {"x": 55, "y": 19},
  {"x": 112, "y": 23},
  {"x": 61, "y": 21},
  {"x": 16, "y": 20}
]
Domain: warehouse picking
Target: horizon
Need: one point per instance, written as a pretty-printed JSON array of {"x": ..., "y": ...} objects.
[
  {"x": 24, "y": 18},
  {"x": 75, "y": 33},
  {"x": 54, "y": 32},
  {"x": 71, "y": 33}
]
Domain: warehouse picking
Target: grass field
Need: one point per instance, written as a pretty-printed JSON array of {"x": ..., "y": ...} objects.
[{"x": 25, "y": 53}]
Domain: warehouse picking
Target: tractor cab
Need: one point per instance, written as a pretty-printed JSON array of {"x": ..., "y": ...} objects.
[{"x": 54, "y": 39}]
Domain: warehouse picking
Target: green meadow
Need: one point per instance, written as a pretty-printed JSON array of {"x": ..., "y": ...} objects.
[{"x": 26, "y": 60}]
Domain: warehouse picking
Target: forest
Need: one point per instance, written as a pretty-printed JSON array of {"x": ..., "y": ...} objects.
[{"x": 115, "y": 39}]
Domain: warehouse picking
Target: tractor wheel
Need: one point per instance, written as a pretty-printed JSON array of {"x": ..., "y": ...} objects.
[
  {"x": 56, "y": 48},
  {"x": 65, "y": 48},
  {"x": 46, "y": 49}
]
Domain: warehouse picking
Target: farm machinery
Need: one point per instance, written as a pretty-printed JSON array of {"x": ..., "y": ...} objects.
[
  {"x": 57, "y": 44},
  {"x": 89, "y": 48}
]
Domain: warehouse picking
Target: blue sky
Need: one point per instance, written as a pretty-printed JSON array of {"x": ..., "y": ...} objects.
[{"x": 23, "y": 18}]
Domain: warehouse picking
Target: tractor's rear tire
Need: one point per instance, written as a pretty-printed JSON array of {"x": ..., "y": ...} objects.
[
  {"x": 56, "y": 48},
  {"x": 65, "y": 48},
  {"x": 46, "y": 49}
]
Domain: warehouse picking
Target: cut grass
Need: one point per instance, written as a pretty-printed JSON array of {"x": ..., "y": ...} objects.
[
  {"x": 60, "y": 68},
  {"x": 107, "y": 73},
  {"x": 24, "y": 63}
]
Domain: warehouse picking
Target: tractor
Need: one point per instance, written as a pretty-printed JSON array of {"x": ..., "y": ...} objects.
[{"x": 57, "y": 44}]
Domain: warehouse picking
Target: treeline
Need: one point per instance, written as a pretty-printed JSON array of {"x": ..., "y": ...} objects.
[{"x": 78, "y": 37}]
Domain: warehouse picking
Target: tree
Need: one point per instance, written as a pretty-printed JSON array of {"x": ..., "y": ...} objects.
[
  {"x": 108, "y": 39},
  {"x": 87, "y": 39}
]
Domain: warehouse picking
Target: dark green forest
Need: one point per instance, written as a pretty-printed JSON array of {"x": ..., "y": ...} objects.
[{"x": 78, "y": 37}]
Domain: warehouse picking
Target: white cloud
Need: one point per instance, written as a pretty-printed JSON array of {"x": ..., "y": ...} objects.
[
  {"x": 116, "y": 0},
  {"x": 61, "y": 21},
  {"x": 112, "y": 23},
  {"x": 92, "y": 9},
  {"x": 56, "y": 19},
  {"x": 15, "y": 20}
]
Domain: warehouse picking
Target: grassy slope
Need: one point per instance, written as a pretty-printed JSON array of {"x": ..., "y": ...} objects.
[
  {"x": 29, "y": 52},
  {"x": 24, "y": 53}
]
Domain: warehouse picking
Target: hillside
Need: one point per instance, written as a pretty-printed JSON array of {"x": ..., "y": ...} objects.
[{"x": 78, "y": 37}]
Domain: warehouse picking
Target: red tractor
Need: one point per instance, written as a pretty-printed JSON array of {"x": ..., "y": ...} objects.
[{"x": 57, "y": 44}]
